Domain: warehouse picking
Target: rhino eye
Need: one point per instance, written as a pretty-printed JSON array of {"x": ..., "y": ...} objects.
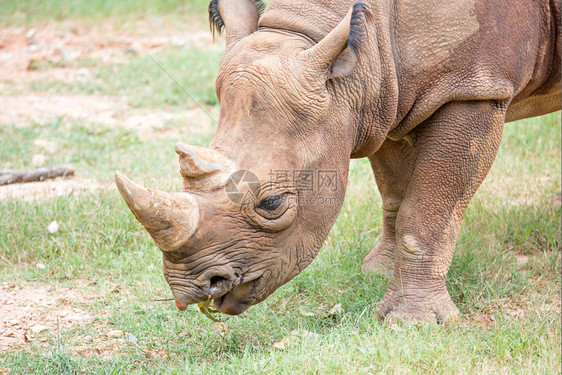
[{"x": 272, "y": 202}]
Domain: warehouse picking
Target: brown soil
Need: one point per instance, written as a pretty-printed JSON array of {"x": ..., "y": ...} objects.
[
  {"x": 50, "y": 188},
  {"x": 62, "y": 43},
  {"x": 34, "y": 312},
  {"x": 30, "y": 312},
  {"x": 57, "y": 46}
]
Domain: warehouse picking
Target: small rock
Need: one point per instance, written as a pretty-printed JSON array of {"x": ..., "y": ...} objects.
[
  {"x": 53, "y": 227},
  {"x": 336, "y": 309},
  {"x": 131, "y": 338},
  {"x": 303, "y": 312},
  {"x": 522, "y": 259},
  {"x": 178, "y": 42},
  {"x": 40, "y": 265},
  {"x": 13, "y": 322},
  {"x": 38, "y": 160},
  {"x": 68, "y": 53},
  {"x": 185, "y": 333},
  {"x": 114, "y": 333},
  {"x": 36, "y": 329},
  {"x": 284, "y": 343},
  {"x": 88, "y": 338},
  {"x": 30, "y": 33},
  {"x": 83, "y": 72}
]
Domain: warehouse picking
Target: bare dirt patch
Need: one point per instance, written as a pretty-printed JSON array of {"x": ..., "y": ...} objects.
[
  {"x": 30, "y": 312},
  {"x": 50, "y": 189},
  {"x": 57, "y": 46},
  {"x": 22, "y": 109},
  {"x": 93, "y": 110},
  {"x": 35, "y": 314},
  {"x": 524, "y": 195},
  {"x": 60, "y": 43}
]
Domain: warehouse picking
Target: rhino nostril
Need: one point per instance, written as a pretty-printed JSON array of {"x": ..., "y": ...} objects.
[{"x": 217, "y": 282}]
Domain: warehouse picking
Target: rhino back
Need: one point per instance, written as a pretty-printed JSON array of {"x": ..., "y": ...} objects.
[
  {"x": 474, "y": 50},
  {"x": 447, "y": 51}
]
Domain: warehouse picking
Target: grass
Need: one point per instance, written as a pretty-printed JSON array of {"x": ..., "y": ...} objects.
[
  {"x": 31, "y": 12},
  {"x": 510, "y": 310},
  {"x": 509, "y": 323},
  {"x": 143, "y": 79},
  {"x": 149, "y": 85}
]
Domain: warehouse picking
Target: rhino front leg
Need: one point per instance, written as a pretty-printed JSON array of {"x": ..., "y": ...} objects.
[
  {"x": 454, "y": 149},
  {"x": 392, "y": 166}
]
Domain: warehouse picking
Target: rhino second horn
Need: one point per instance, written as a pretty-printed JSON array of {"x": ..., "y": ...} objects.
[
  {"x": 202, "y": 168},
  {"x": 196, "y": 161},
  {"x": 170, "y": 219}
]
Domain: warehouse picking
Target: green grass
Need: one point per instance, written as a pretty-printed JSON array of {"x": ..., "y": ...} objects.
[
  {"x": 145, "y": 79},
  {"x": 96, "y": 150},
  {"x": 30, "y": 12},
  {"x": 174, "y": 77},
  {"x": 510, "y": 324},
  {"x": 510, "y": 312}
]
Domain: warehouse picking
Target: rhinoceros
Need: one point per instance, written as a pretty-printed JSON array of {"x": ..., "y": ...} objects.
[{"x": 422, "y": 88}]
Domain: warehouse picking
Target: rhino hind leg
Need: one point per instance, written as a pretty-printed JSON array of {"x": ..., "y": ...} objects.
[
  {"x": 392, "y": 165},
  {"x": 381, "y": 258},
  {"x": 454, "y": 150}
]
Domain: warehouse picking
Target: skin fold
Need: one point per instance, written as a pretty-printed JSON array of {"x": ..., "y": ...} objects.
[{"x": 421, "y": 88}]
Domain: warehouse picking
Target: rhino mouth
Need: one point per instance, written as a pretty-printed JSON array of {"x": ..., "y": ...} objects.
[{"x": 238, "y": 299}]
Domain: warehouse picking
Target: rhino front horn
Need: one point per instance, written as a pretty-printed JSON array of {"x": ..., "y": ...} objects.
[{"x": 170, "y": 219}]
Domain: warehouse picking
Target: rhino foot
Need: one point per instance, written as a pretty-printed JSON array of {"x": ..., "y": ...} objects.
[
  {"x": 395, "y": 308},
  {"x": 380, "y": 259}
]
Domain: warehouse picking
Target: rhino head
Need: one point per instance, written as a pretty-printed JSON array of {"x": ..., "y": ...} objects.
[{"x": 259, "y": 202}]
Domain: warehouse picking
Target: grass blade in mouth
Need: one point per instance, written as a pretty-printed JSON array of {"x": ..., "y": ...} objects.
[{"x": 204, "y": 308}]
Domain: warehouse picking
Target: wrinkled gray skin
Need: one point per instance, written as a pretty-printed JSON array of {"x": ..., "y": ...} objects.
[{"x": 421, "y": 88}]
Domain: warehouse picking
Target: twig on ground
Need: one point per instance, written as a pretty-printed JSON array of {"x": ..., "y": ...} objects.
[{"x": 39, "y": 174}]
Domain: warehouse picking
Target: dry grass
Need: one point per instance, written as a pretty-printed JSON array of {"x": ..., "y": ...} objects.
[{"x": 101, "y": 272}]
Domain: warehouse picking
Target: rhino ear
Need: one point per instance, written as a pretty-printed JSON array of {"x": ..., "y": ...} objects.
[
  {"x": 240, "y": 17},
  {"x": 337, "y": 53}
]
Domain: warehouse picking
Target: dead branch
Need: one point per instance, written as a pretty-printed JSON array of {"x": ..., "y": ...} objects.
[{"x": 39, "y": 174}]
